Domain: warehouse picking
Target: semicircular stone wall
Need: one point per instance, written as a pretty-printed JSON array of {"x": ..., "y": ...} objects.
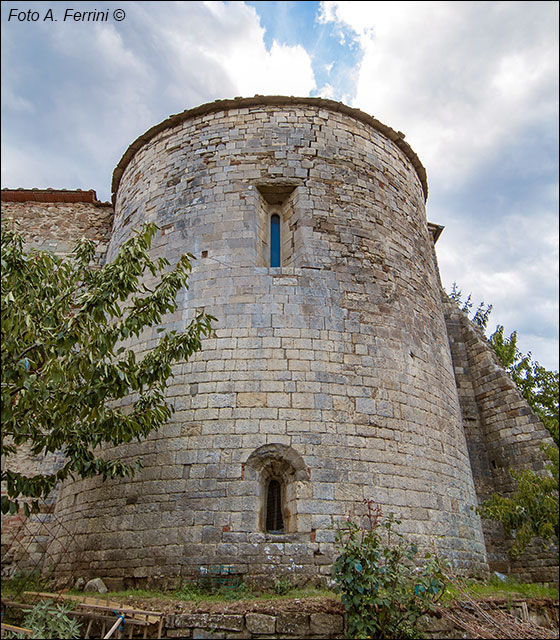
[{"x": 329, "y": 376}]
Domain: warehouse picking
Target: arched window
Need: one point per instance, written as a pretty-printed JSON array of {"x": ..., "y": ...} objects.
[
  {"x": 274, "y": 517},
  {"x": 280, "y": 478},
  {"x": 275, "y": 240}
]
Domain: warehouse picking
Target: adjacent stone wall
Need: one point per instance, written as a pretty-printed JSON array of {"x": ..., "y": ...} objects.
[
  {"x": 254, "y": 621},
  {"x": 255, "y": 625},
  {"x": 340, "y": 360},
  {"x": 502, "y": 432},
  {"x": 57, "y": 226}
]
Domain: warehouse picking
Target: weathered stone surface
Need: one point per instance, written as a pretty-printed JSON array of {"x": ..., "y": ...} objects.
[
  {"x": 292, "y": 624},
  {"x": 499, "y": 428},
  {"x": 209, "y": 621},
  {"x": 327, "y": 625},
  {"x": 96, "y": 585},
  {"x": 335, "y": 366},
  {"x": 260, "y": 623}
]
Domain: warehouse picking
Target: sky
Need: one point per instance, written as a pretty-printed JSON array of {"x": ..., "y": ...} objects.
[{"x": 473, "y": 85}]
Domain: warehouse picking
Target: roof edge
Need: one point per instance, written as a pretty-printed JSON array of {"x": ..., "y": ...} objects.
[
  {"x": 50, "y": 195},
  {"x": 239, "y": 103}
]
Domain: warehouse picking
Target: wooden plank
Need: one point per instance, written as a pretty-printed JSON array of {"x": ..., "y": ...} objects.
[
  {"x": 104, "y": 614},
  {"x": 153, "y": 617},
  {"x": 114, "y": 627},
  {"x": 13, "y": 629}
]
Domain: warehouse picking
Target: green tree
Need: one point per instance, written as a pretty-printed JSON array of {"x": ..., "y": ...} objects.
[
  {"x": 64, "y": 366},
  {"x": 537, "y": 385},
  {"x": 482, "y": 313}
]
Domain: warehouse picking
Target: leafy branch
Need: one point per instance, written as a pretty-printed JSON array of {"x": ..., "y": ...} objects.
[{"x": 65, "y": 363}]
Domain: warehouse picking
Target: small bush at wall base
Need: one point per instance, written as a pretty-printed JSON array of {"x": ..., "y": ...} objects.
[
  {"x": 282, "y": 586},
  {"x": 382, "y": 588}
]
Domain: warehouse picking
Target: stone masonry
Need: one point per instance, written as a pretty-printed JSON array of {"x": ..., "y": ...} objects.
[{"x": 330, "y": 376}]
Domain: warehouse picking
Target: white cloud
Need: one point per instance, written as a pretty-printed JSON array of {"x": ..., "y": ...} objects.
[
  {"x": 458, "y": 78},
  {"x": 328, "y": 91},
  {"x": 109, "y": 83},
  {"x": 514, "y": 267},
  {"x": 241, "y": 52}
]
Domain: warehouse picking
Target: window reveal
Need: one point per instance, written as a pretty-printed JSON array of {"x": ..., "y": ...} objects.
[{"x": 276, "y": 228}]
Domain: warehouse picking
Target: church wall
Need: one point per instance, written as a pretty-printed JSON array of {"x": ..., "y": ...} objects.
[{"x": 333, "y": 374}]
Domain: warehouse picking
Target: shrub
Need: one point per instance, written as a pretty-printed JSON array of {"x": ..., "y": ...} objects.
[
  {"x": 48, "y": 620},
  {"x": 282, "y": 586},
  {"x": 383, "y": 590}
]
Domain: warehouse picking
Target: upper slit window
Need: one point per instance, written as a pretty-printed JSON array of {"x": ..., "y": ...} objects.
[
  {"x": 274, "y": 518},
  {"x": 275, "y": 240}
]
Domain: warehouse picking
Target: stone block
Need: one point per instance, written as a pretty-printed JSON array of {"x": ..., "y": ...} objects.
[
  {"x": 326, "y": 625},
  {"x": 97, "y": 585},
  {"x": 251, "y": 399},
  {"x": 114, "y": 584},
  {"x": 203, "y": 634},
  {"x": 366, "y": 405},
  {"x": 260, "y": 623},
  {"x": 209, "y": 621},
  {"x": 292, "y": 624}
]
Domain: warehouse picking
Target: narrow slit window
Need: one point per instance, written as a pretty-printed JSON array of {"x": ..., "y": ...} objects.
[
  {"x": 275, "y": 240},
  {"x": 274, "y": 519}
]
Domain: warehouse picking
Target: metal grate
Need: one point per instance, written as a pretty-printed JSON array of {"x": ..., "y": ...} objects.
[{"x": 274, "y": 519}]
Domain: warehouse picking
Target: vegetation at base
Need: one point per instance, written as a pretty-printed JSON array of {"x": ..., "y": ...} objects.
[
  {"x": 197, "y": 593},
  {"x": 24, "y": 581},
  {"x": 45, "y": 619},
  {"x": 193, "y": 592},
  {"x": 65, "y": 370},
  {"x": 282, "y": 586},
  {"x": 384, "y": 589},
  {"x": 51, "y": 620},
  {"x": 496, "y": 587},
  {"x": 533, "y": 510},
  {"x": 200, "y": 593}
]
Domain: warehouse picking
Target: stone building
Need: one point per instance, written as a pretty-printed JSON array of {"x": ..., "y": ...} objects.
[{"x": 338, "y": 369}]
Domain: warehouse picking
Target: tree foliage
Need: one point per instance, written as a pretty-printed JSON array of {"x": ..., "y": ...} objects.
[
  {"x": 383, "y": 589},
  {"x": 482, "y": 313},
  {"x": 537, "y": 385},
  {"x": 64, "y": 364}
]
